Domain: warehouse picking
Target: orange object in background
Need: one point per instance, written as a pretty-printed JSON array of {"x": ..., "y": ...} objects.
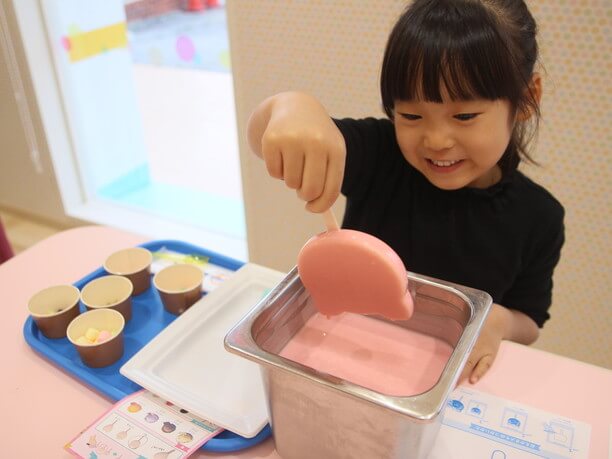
[
  {"x": 199, "y": 5},
  {"x": 195, "y": 5}
]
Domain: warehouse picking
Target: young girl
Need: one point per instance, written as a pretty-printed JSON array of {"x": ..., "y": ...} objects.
[{"x": 438, "y": 179}]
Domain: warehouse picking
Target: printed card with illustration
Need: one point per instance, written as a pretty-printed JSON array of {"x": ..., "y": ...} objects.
[
  {"x": 492, "y": 427},
  {"x": 143, "y": 426}
]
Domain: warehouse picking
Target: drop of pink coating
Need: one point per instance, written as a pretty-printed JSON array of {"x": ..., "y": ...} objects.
[
  {"x": 103, "y": 336},
  {"x": 352, "y": 271}
]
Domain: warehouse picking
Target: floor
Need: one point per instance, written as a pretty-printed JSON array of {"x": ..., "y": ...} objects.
[{"x": 23, "y": 231}]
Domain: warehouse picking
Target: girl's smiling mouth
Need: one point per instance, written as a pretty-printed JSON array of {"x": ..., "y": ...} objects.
[{"x": 444, "y": 166}]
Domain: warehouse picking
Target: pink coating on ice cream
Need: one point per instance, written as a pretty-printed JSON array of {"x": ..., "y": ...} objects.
[{"x": 352, "y": 271}]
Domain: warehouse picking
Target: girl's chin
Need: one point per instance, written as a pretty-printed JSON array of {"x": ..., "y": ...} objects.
[
  {"x": 458, "y": 175},
  {"x": 447, "y": 182},
  {"x": 447, "y": 185}
]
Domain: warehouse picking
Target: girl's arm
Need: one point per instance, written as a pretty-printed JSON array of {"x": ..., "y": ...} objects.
[
  {"x": 300, "y": 144},
  {"x": 518, "y": 327},
  {"x": 502, "y": 323}
]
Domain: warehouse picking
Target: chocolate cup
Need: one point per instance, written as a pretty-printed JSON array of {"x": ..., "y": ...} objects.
[
  {"x": 125, "y": 308},
  {"x": 177, "y": 303},
  {"x": 95, "y": 358},
  {"x": 133, "y": 263},
  {"x": 53, "y": 308},
  {"x": 101, "y": 354},
  {"x": 141, "y": 280},
  {"x": 179, "y": 286},
  {"x": 109, "y": 292}
]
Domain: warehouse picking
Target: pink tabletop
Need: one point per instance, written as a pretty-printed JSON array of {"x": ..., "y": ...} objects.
[{"x": 44, "y": 407}]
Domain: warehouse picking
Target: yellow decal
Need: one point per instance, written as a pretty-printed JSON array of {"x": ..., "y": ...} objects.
[{"x": 87, "y": 44}]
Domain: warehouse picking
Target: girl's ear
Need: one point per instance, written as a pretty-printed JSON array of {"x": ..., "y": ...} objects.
[{"x": 533, "y": 96}]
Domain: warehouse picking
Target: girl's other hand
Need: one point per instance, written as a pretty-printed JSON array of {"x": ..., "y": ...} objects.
[
  {"x": 502, "y": 323},
  {"x": 487, "y": 345},
  {"x": 301, "y": 145}
]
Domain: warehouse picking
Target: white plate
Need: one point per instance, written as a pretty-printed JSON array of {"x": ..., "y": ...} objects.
[{"x": 187, "y": 364}]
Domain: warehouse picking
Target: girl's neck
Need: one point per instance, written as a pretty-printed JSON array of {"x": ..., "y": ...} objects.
[{"x": 487, "y": 180}]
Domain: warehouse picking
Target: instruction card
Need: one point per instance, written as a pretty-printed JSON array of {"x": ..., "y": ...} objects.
[
  {"x": 143, "y": 426},
  {"x": 490, "y": 427}
]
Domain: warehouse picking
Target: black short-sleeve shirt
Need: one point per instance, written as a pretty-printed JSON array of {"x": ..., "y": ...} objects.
[{"x": 505, "y": 240}]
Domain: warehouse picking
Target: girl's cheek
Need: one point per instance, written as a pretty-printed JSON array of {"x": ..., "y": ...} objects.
[
  {"x": 410, "y": 154},
  {"x": 407, "y": 140},
  {"x": 408, "y": 148}
]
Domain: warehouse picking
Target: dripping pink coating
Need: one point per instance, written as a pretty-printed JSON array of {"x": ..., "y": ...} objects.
[{"x": 352, "y": 271}]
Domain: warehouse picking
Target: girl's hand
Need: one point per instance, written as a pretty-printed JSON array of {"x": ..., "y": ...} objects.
[
  {"x": 502, "y": 323},
  {"x": 487, "y": 345},
  {"x": 301, "y": 145}
]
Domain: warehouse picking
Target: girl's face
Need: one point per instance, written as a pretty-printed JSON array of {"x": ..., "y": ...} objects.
[{"x": 455, "y": 144}]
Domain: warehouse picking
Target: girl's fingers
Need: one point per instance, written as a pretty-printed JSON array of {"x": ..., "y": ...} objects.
[
  {"x": 293, "y": 168},
  {"x": 331, "y": 188},
  {"x": 313, "y": 178},
  {"x": 273, "y": 159},
  {"x": 467, "y": 369},
  {"x": 481, "y": 368}
]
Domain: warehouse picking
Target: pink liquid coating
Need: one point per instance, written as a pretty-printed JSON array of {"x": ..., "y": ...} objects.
[
  {"x": 352, "y": 271},
  {"x": 370, "y": 353}
]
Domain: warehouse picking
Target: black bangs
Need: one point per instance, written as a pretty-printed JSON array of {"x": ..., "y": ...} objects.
[{"x": 452, "y": 48}]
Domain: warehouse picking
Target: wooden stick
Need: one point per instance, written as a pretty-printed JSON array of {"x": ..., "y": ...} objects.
[{"x": 330, "y": 220}]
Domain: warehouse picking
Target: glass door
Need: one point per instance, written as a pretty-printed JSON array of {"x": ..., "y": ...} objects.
[{"x": 147, "y": 92}]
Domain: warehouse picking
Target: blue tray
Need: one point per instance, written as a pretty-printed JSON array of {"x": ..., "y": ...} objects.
[{"x": 150, "y": 319}]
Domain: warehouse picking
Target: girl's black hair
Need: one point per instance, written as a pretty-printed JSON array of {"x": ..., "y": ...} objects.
[{"x": 475, "y": 49}]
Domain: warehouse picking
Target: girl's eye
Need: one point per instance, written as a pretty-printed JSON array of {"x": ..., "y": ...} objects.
[
  {"x": 466, "y": 116},
  {"x": 410, "y": 116}
]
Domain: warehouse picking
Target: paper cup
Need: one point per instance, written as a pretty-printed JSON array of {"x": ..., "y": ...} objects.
[
  {"x": 133, "y": 263},
  {"x": 111, "y": 292},
  {"x": 98, "y": 354},
  {"x": 53, "y": 308},
  {"x": 179, "y": 286}
]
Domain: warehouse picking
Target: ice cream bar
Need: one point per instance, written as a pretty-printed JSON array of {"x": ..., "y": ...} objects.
[{"x": 351, "y": 271}]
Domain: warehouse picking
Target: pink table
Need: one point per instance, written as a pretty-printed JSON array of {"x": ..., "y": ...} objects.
[{"x": 44, "y": 407}]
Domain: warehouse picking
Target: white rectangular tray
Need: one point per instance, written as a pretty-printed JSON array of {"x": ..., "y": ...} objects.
[{"x": 187, "y": 364}]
